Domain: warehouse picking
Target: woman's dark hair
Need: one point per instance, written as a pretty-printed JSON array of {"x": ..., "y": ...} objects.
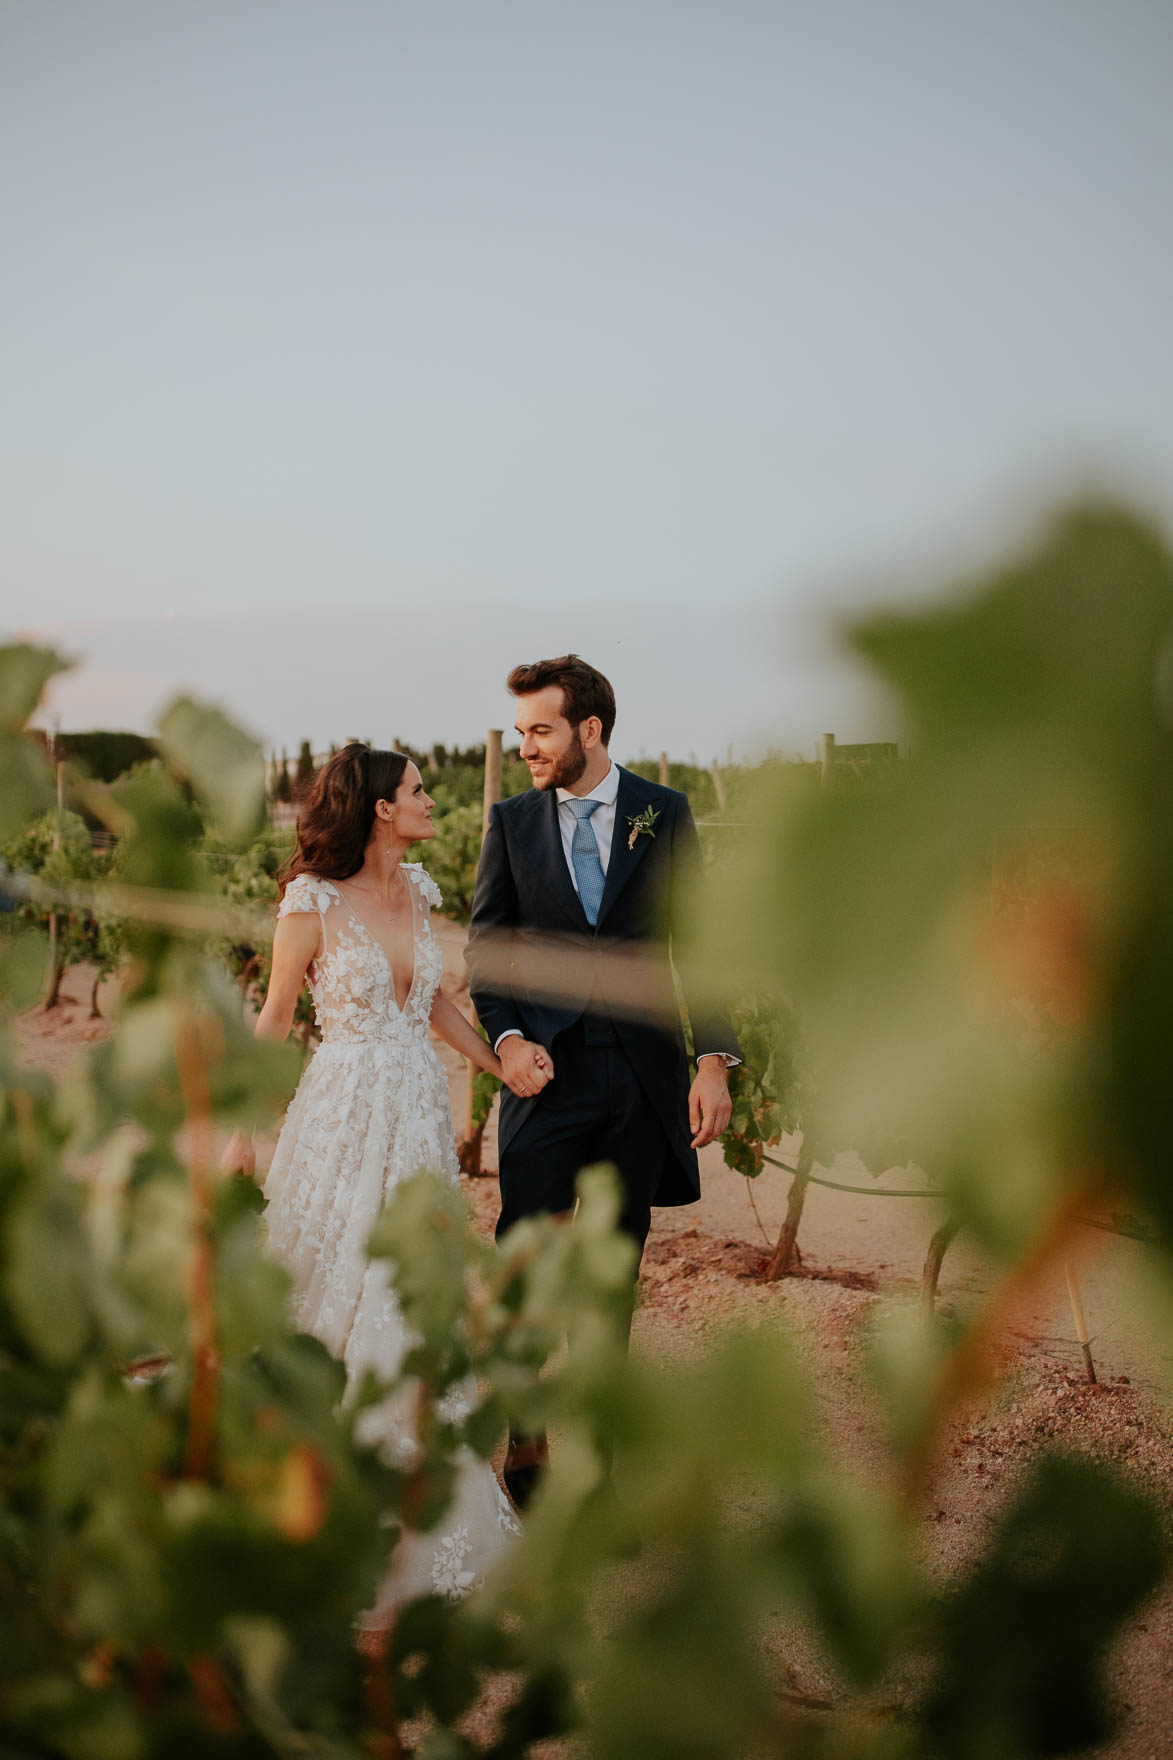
[
  {"x": 334, "y": 826},
  {"x": 585, "y": 692}
]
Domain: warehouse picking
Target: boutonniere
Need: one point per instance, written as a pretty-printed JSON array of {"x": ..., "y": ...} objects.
[{"x": 641, "y": 823}]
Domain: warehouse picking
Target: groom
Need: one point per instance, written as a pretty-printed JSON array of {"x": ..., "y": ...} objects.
[{"x": 591, "y": 855}]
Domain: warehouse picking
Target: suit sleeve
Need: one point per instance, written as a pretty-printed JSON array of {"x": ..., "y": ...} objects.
[
  {"x": 712, "y": 1029},
  {"x": 494, "y": 911}
]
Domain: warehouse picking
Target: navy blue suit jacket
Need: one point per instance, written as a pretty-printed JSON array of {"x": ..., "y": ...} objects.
[{"x": 524, "y": 886}]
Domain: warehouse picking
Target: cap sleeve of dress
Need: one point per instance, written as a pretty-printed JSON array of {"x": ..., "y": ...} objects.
[
  {"x": 427, "y": 885},
  {"x": 306, "y": 893}
]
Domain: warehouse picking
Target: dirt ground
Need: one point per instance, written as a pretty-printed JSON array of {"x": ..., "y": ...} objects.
[{"x": 702, "y": 1271}]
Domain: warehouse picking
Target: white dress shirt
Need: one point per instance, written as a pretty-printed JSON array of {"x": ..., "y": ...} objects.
[{"x": 602, "y": 823}]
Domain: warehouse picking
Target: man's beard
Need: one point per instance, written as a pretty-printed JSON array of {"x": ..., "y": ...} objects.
[{"x": 566, "y": 770}]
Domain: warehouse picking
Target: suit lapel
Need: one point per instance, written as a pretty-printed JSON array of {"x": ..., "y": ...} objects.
[
  {"x": 623, "y": 861},
  {"x": 552, "y": 858}
]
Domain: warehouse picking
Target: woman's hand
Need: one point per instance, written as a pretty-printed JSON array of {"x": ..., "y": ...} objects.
[{"x": 239, "y": 1155}]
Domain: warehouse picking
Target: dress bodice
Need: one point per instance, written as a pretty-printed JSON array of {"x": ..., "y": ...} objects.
[{"x": 350, "y": 979}]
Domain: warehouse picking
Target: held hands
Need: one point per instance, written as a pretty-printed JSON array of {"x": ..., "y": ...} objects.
[
  {"x": 525, "y": 1067},
  {"x": 239, "y": 1155},
  {"x": 709, "y": 1105}
]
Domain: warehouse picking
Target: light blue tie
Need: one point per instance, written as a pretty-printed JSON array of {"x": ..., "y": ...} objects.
[{"x": 584, "y": 857}]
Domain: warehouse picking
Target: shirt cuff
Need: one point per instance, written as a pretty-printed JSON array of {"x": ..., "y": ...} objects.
[
  {"x": 726, "y": 1057},
  {"x": 509, "y": 1033}
]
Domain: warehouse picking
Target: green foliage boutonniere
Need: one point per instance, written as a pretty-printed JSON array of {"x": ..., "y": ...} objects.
[{"x": 640, "y": 823}]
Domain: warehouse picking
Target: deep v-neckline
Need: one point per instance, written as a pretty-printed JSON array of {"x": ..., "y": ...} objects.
[{"x": 400, "y": 1007}]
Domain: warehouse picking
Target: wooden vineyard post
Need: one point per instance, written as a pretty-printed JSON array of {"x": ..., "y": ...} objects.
[
  {"x": 663, "y": 770},
  {"x": 492, "y": 775},
  {"x": 718, "y": 785},
  {"x": 56, "y": 969},
  {"x": 828, "y": 759},
  {"x": 1081, "y": 1333},
  {"x": 938, "y": 1247},
  {"x": 468, "y": 1152},
  {"x": 787, "y": 1247}
]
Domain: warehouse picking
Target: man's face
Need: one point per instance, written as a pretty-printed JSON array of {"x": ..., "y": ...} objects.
[{"x": 549, "y": 745}]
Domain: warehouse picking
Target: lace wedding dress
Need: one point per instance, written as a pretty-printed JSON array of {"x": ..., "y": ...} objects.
[{"x": 372, "y": 1108}]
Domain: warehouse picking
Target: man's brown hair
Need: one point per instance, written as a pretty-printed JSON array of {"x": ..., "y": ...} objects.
[{"x": 585, "y": 692}]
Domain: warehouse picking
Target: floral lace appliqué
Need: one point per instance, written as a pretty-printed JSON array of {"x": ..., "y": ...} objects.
[
  {"x": 350, "y": 979},
  {"x": 449, "y": 1575}
]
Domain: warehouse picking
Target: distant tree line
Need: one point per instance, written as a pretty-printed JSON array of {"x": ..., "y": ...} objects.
[
  {"x": 290, "y": 779},
  {"x": 100, "y": 754}
]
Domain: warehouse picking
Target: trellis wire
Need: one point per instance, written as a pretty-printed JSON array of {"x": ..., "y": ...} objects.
[{"x": 835, "y": 1185}]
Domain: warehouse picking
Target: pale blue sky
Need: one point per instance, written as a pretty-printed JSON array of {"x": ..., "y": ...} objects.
[{"x": 562, "y": 309}]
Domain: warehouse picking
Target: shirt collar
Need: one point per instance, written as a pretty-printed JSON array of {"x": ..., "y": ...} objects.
[{"x": 606, "y": 791}]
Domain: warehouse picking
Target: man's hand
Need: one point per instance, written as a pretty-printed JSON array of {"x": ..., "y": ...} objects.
[
  {"x": 525, "y": 1067},
  {"x": 709, "y": 1105}
]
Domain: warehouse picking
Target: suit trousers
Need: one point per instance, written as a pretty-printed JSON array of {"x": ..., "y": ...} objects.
[{"x": 593, "y": 1110}]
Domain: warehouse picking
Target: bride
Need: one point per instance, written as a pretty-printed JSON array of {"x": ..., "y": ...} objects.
[{"x": 371, "y": 1108}]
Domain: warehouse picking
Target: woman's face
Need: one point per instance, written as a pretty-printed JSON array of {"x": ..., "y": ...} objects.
[{"x": 413, "y": 808}]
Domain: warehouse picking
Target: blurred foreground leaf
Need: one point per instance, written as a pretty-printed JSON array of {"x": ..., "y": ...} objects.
[
  {"x": 223, "y": 763},
  {"x": 978, "y": 943},
  {"x": 25, "y": 788},
  {"x": 1023, "y": 1642}
]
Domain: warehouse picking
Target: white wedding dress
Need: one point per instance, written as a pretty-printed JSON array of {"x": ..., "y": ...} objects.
[{"x": 372, "y": 1108}]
